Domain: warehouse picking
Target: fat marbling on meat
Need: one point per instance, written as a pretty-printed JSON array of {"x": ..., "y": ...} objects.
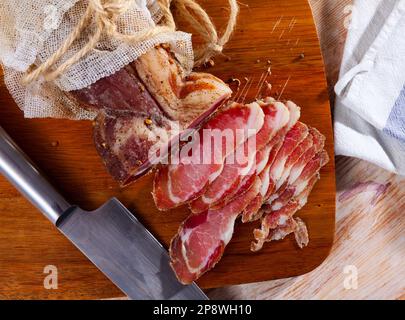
[
  {"x": 291, "y": 148},
  {"x": 202, "y": 238},
  {"x": 276, "y": 116},
  {"x": 179, "y": 183}
]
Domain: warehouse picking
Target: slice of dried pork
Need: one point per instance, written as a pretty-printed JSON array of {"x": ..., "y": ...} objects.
[
  {"x": 202, "y": 238},
  {"x": 238, "y": 164},
  {"x": 178, "y": 184},
  {"x": 292, "y": 225},
  {"x": 290, "y": 201}
]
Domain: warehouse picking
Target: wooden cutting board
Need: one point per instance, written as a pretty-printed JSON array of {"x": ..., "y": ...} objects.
[{"x": 280, "y": 32}]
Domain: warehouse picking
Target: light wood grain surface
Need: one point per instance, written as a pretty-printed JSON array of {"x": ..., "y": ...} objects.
[
  {"x": 283, "y": 33},
  {"x": 369, "y": 239}
]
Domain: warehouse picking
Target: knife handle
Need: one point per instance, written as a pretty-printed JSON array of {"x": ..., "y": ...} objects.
[{"x": 22, "y": 173}]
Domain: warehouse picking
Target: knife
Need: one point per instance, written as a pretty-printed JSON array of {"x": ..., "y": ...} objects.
[{"x": 111, "y": 237}]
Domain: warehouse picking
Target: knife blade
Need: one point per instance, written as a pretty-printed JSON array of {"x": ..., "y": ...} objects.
[{"x": 111, "y": 237}]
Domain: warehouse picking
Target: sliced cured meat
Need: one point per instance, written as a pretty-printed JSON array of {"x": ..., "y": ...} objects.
[
  {"x": 202, "y": 238},
  {"x": 268, "y": 186},
  {"x": 276, "y": 216},
  {"x": 276, "y": 116},
  {"x": 292, "y": 200},
  {"x": 138, "y": 109},
  {"x": 243, "y": 186},
  {"x": 282, "y": 231},
  {"x": 271, "y": 221},
  {"x": 262, "y": 158},
  {"x": 187, "y": 179},
  {"x": 272, "y": 157},
  {"x": 299, "y": 185},
  {"x": 286, "y": 167},
  {"x": 252, "y": 211},
  {"x": 301, "y": 233},
  {"x": 263, "y": 166},
  {"x": 221, "y": 188},
  {"x": 293, "y": 158},
  {"x": 292, "y": 225},
  {"x": 291, "y": 140},
  {"x": 277, "y": 143},
  {"x": 247, "y": 180},
  {"x": 291, "y": 173},
  {"x": 318, "y": 143}
]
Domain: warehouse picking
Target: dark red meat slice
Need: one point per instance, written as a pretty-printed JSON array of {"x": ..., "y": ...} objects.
[
  {"x": 186, "y": 180},
  {"x": 263, "y": 168}
]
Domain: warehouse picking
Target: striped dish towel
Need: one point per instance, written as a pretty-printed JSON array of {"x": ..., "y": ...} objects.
[{"x": 370, "y": 104}]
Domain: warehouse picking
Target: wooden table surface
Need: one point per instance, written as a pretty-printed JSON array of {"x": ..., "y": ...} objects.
[{"x": 370, "y": 239}]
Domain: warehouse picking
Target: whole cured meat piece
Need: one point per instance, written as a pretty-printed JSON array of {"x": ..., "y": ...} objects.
[
  {"x": 188, "y": 99},
  {"x": 202, "y": 238},
  {"x": 276, "y": 116},
  {"x": 143, "y": 105},
  {"x": 124, "y": 140},
  {"x": 177, "y": 184}
]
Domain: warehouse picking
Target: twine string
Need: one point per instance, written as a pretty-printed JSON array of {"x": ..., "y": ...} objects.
[{"x": 104, "y": 14}]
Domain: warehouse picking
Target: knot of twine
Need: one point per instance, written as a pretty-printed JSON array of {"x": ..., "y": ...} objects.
[{"x": 104, "y": 14}]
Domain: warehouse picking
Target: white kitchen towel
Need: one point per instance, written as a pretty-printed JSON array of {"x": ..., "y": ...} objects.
[{"x": 370, "y": 104}]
